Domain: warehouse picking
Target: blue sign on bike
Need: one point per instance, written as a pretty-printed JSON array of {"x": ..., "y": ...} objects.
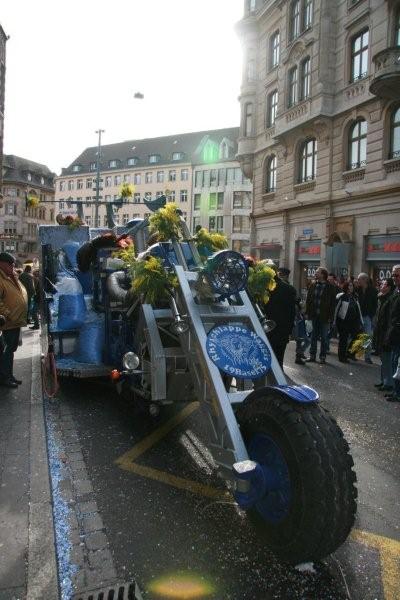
[{"x": 238, "y": 351}]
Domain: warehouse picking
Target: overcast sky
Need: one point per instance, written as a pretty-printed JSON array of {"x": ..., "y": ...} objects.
[{"x": 74, "y": 65}]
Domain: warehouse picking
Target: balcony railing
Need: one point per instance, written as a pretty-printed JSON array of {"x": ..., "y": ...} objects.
[{"x": 386, "y": 79}]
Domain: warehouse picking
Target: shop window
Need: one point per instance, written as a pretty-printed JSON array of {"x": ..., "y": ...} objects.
[
  {"x": 308, "y": 161},
  {"x": 358, "y": 145},
  {"x": 359, "y": 55},
  {"x": 395, "y": 133}
]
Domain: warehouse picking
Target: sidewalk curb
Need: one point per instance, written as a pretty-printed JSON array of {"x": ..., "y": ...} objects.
[{"x": 42, "y": 579}]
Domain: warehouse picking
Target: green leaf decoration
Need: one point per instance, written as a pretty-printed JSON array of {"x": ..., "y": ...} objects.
[
  {"x": 166, "y": 222},
  {"x": 151, "y": 280},
  {"x": 261, "y": 282}
]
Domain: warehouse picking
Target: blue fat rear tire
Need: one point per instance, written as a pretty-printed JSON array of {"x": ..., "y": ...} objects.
[{"x": 311, "y": 507}]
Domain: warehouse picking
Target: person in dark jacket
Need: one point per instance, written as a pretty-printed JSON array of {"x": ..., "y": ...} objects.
[
  {"x": 26, "y": 278},
  {"x": 382, "y": 348},
  {"x": 393, "y": 332},
  {"x": 368, "y": 299},
  {"x": 348, "y": 319},
  {"x": 320, "y": 309},
  {"x": 281, "y": 309}
]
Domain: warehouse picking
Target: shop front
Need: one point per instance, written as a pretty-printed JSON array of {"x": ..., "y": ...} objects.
[
  {"x": 308, "y": 255},
  {"x": 272, "y": 251},
  {"x": 382, "y": 253}
]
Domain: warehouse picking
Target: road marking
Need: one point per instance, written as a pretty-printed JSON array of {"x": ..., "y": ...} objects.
[
  {"x": 127, "y": 460},
  {"x": 389, "y": 549}
]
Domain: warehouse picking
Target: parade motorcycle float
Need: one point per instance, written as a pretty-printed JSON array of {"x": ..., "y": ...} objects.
[{"x": 193, "y": 329}]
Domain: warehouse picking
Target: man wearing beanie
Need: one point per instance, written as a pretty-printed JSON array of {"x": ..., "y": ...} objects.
[{"x": 14, "y": 307}]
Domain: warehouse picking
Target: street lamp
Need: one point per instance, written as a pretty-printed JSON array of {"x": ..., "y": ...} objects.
[{"x": 96, "y": 206}]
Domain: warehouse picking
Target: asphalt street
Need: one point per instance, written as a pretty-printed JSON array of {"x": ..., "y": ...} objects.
[{"x": 166, "y": 514}]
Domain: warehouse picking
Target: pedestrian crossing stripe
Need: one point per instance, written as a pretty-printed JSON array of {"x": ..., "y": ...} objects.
[{"x": 389, "y": 549}]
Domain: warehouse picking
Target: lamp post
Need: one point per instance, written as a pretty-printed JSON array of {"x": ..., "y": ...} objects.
[{"x": 96, "y": 212}]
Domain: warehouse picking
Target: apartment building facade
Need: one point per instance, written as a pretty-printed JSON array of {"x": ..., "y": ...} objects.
[
  {"x": 320, "y": 133},
  {"x": 3, "y": 40},
  {"x": 165, "y": 165},
  {"x": 18, "y": 224}
]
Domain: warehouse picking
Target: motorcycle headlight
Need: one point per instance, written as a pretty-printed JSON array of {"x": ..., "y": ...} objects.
[{"x": 130, "y": 361}]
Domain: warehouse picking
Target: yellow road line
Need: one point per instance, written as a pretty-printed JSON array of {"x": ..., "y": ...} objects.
[
  {"x": 389, "y": 551},
  {"x": 178, "y": 482},
  {"x": 156, "y": 436}
]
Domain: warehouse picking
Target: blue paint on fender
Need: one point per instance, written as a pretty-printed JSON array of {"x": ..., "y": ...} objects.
[{"x": 298, "y": 393}]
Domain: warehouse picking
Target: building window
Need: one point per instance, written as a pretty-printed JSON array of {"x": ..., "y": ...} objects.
[
  {"x": 272, "y": 108},
  {"x": 113, "y": 163},
  {"x": 294, "y": 20},
  {"x": 79, "y": 184},
  {"x": 197, "y": 202},
  {"x": 154, "y": 158},
  {"x": 213, "y": 177},
  {"x": 251, "y": 69},
  {"x": 250, "y": 7},
  {"x": 127, "y": 178},
  {"x": 293, "y": 88},
  {"x": 183, "y": 196},
  {"x": 70, "y": 184},
  {"x": 196, "y": 223},
  {"x": 248, "y": 119},
  {"x": 125, "y": 218},
  {"x": 184, "y": 174},
  {"x": 220, "y": 223},
  {"x": 212, "y": 202},
  {"x": 29, "y": 176},
  {"x": 240, "y": 224},
  {"x": 136, "y": 198},
  {"x": 160, "y": 176},
  {"x": 358, "y": 145},
  {"x": 117, "y": 180},
  {"x": 359, "y": 56},
  {"x": 159, "y": 194},
  {"x": 307, "y": 13},
  {"x": 92, "y": 166},
  {"x": 131, "y": 162},
  {"x": 397, "y": 29},
  {"x": 274, "y": 50},
  {"x": 11, "y": 209},
  {"x": 211, "y": 223},
  {"x": 172, "y": 176},
  {"x": 220, "y": 200},
  {"x": 149, "y": 177},
  {"x": 223, "y": 150},
  {"x": 272, "y": 165},
  {"x": 395, "y": 133},
  {"x": 221, "y": 176},
  {"x": 89, "y": 183},
  {"x": 177, "y": 155},
  {"x": 198, "y": 179},
  {"x": 171, "y": 196},
  {"x": 76, "y": 168},
  {"x": 88, "y": 220},
  {"x": 108, "y": 181},
  {"x": 137, "y": 178},
  {"x": 88, "y": 199},
  {"x": 61, "y": 186},
  {"x": 308, "y": 161},
  {"x": 238, "y": 175},
  {"x": 305, "y": 78},
  {"x": 147, "y": 196}
]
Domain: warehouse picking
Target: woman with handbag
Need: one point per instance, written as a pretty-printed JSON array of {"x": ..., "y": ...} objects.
[
  {"x": 348, "y": 319},
  {"x": 379, "y": 342}
]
